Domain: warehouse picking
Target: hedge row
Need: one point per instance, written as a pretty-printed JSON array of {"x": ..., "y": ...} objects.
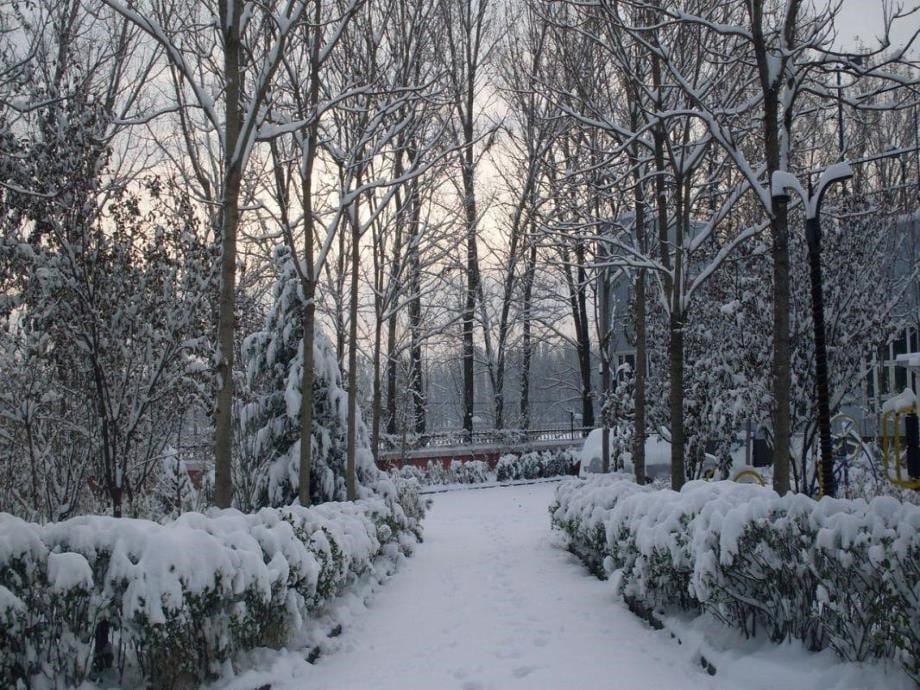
[
  {"x": 510, "y": 467},
  {"x": 835, "y": 573},
  {"x": 535, "y": 465},
  {"x": 182, "y": 598},
  {"x": 457, "y": 472}
]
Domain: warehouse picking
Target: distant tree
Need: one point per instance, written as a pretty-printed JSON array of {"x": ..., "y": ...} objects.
[{"x": 467, "y": 52}]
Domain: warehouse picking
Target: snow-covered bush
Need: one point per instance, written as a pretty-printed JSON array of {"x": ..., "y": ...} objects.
[
  {"x": 183, "y": 597},
  {"x": 867, "y": 558},
  {"x": 750, "y": 564},
  {"x": 410, "y": 472},
  {"x": 436, "y": 473},
  {"x": 510, "y": 467},
  {"x": 470, "y": 472},
  {"x": 457, "y": 472},
  {"x": 582, "y": 510},
  {"x": 838, "y": 573},
  {"x": 23, "y": 597},
  {"x": 535, "y": 465}
]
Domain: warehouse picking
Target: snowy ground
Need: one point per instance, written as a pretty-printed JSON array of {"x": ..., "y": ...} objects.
[{"x": 490, "y": 601}]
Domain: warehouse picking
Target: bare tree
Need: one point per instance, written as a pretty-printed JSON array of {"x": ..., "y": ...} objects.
[
  {"x": 368, "y": 126},
  {"x": 470, "y": 41},
  {"x": 252, "y": 42},
  {"x": 530, "y": 131},
  {"x": 651, "y": 130},
  {"x": 297, "y": 114}
]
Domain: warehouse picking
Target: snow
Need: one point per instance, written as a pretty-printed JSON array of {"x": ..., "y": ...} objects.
[
  {"x": 757, "y": 664},
  {"x": 492, "y": 600},
  {"x": 67, "y": 571},
  {"x": 657, "y": 453},
  {"x": 902, "y": 402}
]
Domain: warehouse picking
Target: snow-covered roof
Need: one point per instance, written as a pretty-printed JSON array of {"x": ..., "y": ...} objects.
[{"x": 909, "y": 360}]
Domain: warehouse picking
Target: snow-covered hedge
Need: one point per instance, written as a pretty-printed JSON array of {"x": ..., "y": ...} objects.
[
  {"x": 510, "y": 467},
  {"x": 457, "y": 472},
  {"x": 469, "y": 472},
  {"x": 833, "y": 573},
  {"x": 534, "y": 465},
  {"x": 182, "y": 598}
]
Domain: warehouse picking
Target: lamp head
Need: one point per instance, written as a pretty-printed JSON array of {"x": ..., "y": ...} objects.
[
  {"x": 781, "y": 183},
  {"x": 838, "y": 172}
]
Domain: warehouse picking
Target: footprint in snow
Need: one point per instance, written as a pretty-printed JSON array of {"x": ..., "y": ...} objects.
[{"x": 523, "y": 671}]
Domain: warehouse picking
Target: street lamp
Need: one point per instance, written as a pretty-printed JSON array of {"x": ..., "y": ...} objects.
[{"x": 781, "y": 183}]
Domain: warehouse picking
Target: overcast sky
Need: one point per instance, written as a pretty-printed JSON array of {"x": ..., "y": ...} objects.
[{"x": 863, "y": 18}]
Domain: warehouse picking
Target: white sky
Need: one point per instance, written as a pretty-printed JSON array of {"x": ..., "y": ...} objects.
[{"x": 863, "y": 18}]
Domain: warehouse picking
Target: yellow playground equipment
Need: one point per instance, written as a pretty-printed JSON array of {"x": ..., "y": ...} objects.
[
  {"x": 749, "y": 477},
  {"x": 901, "y": 466},
  {"x": 744, "y": 476}
]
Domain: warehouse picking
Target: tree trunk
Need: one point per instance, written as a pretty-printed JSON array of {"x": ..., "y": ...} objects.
[
  {"x": 392, "y": 378},
  {"x": 342, "y": 266},
  {"x": 351, "y": 486},
  {"x": 33, "y": 466},
  {"x": 584, "y": 340},
  {"x": 472, "y": 283},
  {"x": 639, "y": 378},
  {"x": 416, "y": 385},
  {"x": 309, "y": 277},
  {"x": 306, "y": 387},
  {"x": 230, "y": 218},
  {"x": 507, "y": 298},
  {"x": 378, "y": 392},
  {"x": 676, "y": 356},
  {"x": 223, "y": 427},
  {"x": 579, "y": 318},
  {"x": 603, "y": 341},
  {"x": 672, "y": 284},
  {"x": 526, "y": 339},
  {"x": 771, "y": 82},
  {"x": 782, "y": 370}
]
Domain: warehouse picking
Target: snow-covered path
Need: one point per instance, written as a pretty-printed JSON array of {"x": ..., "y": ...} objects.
[{"x": 489, "y": 601}]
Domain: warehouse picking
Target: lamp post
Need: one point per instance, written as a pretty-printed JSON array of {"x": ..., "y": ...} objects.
[{"x": 781, "y": 183}]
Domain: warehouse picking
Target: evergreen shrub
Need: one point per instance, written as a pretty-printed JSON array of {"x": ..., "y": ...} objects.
[
  {"x": 835, "y": 573},
  {"x": 185, "y": 596}
]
